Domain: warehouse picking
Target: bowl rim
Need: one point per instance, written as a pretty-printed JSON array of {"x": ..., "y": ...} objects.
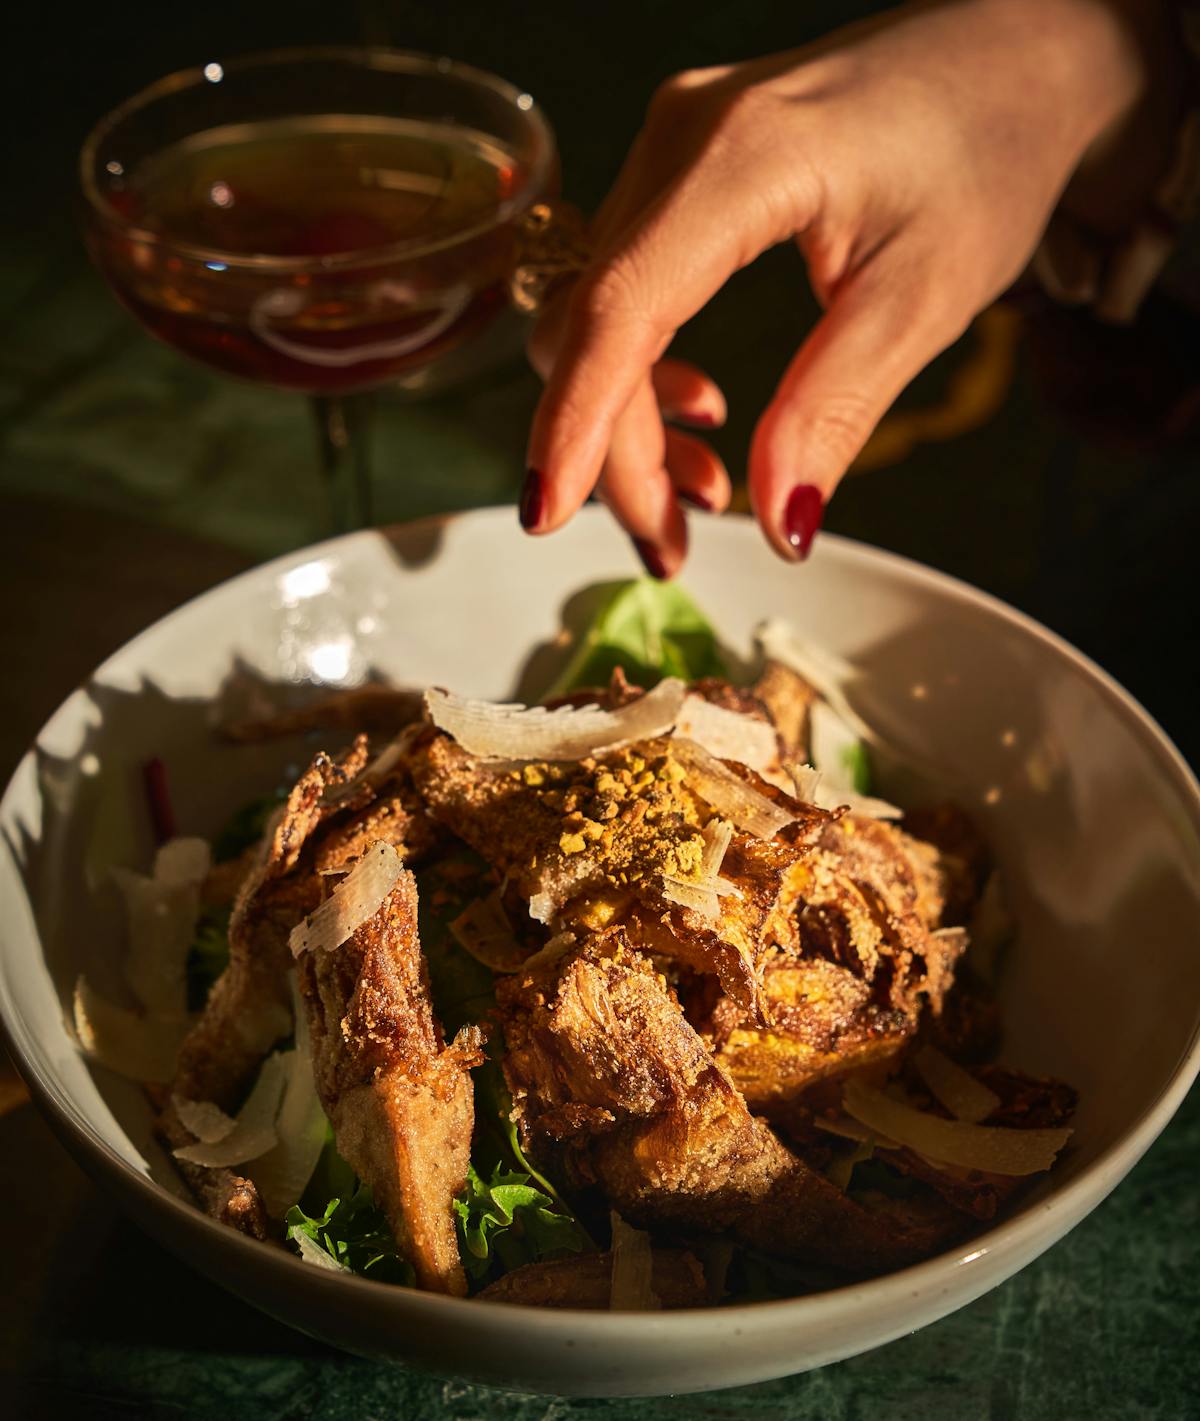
[{"x": 1025, "y": 1235}]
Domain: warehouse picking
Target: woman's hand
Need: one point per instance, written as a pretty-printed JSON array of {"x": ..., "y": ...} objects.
[{"x": 915, "y": 160}]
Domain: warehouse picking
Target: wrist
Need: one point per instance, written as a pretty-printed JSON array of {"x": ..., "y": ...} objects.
[{"x": 1095, "y": 57}]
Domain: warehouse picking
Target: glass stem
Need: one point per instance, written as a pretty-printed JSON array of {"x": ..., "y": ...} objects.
[{"x": 343, "y": 443}]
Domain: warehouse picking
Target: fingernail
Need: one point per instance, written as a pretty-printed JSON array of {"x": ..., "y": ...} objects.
[
  {"x": 533, "y": 501},
  {"x": 651, "y": 558},
  {"x": 802, "y": 517},
  {"x": 697, "y": 500}
]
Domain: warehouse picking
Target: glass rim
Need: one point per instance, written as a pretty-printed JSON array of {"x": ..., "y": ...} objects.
[{"x": 399, "y": 61}]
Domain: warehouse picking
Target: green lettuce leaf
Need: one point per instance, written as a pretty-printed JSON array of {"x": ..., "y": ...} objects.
[
  {"x": 856, "y": 759},
  {"x": 651, "y": 629},
  {"x": 505, "y": 1220},
  {"x": 356, "y": 1236},
  {"x": 502, "y": 1221}
]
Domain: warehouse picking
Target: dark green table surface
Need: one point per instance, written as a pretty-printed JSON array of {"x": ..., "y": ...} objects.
[{"x": 130, "y": 480}]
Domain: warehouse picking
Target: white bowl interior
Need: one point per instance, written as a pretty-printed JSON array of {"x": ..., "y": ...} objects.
[{"x": 1093, "y": 817}]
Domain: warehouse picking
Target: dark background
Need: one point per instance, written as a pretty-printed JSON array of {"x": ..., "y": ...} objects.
[{"x": 129, "y": 481}]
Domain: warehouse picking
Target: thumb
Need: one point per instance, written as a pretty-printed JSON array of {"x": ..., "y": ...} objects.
[{"x": 880, "y": 330}]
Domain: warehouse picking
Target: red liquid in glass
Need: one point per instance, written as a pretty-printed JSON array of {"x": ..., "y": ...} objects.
[{"x": 329, "y": 195}]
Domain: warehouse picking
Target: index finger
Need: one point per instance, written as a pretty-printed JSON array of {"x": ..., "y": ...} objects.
[{"x": 652, "y": 277}]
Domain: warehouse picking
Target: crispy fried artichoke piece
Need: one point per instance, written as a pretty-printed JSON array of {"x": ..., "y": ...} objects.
[
  {"x": 400, "y": 1100},
  {"x": 903, "y": 870},
  {"x": 585, "y": 1281},
  {"x": 962, "y": 856},
  {"x": 324, "y": 824},
  {"x": 872, "y": 905},
  {"x": 611, "y": 1083},
  {"x": 823, "y": 1023},
  {"x": 588, "y": 844},
  {"x": 249, "y": 1008},
  {"x": 222, "y": 1193},
  {"x": 865, "y": 962},
  {"x": 788, "y": 698}
]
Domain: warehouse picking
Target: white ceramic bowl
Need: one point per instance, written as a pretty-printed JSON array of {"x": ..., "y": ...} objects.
[{"x": 1094, "y": 816}]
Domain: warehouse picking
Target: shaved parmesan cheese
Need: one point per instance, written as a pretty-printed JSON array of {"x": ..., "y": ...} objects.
[
  {"x": 201, "y": 1118},
  {"x": 957, "y": 939},
  {"x": 557, "y": 946},
  {"x": 253, "y": 1132},
  {"x": 838, "y": 735},
  {"x": 542, "y": 907},
  {"x": 717, "y": 836},
  {"x": 355, "y": 901},
  {"x": 826, "y": 672},
  {"x": 516, "y": 732},
  {"x": 866, "y": 805},
  {"x": 143, "y": 1048},
  {"x": 162, "y": 913},
  {"x": 698, "y": 897},
  {"x": 836, "y": 749},
  {"x": 632, "y": 1287},
  {"x": 841, "y": 1168},
  {"x": 183, "y": 861},
  {"x": 848, "y": 1129},
  {"x": 701, "y": 894},
  {"x": 390, "y": 756},
  {"x": 729, "y": 735},
  {"x": 993, "y": 1149},
  {"x": 958, "y": 1090},
  {"x": 282, "y": 1174},
  {"x": 729, "y": 794},
  {"x": 806, "y": 782},
  {"x": 809, "y": 787},
  {"x": 376, "y": 772}
]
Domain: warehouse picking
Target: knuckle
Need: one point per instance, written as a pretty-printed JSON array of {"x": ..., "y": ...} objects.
[
  {"x": 677, "y": 86},
  {"x": 943, "y": 309},
  {"x": 682, "y": 93},
  {"x": 744, "y": 109},
  {"x": 940, "y": 285},
  {"x": 608, "y": 295},
  {"x": 665, "y": 99},
  {"x": 840, "y": 427}
]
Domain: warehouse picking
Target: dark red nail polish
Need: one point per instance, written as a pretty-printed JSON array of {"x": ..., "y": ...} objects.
[
  {"x": 651, "y": 558},
  {"x": 694, "y": 418},
  {"x": 697, "y": 500},
  {"x": 802, "y": 517},
  {"x": 533, "y": 501}
]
